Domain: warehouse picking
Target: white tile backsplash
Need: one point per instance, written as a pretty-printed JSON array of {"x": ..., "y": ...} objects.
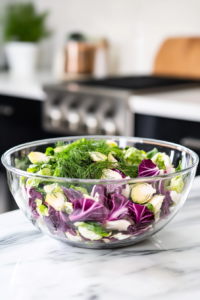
[{"x": 134, "y": 28}]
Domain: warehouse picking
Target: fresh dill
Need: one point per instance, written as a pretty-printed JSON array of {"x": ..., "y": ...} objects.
[
  {"x": 53, "y": 193},
  {"x": 74, "y": 161}
]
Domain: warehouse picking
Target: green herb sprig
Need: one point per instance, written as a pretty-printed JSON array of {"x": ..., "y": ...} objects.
[{"x": 74, "y": 161}]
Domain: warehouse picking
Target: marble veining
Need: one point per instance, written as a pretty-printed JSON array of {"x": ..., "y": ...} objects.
[{"x": 165, "y": 266}]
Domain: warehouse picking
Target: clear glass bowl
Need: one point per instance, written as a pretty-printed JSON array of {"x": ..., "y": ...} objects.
[{"x": 59, "y": 226}]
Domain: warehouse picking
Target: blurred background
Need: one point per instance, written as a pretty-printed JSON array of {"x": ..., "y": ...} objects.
[{"x": 117, "y": 67}]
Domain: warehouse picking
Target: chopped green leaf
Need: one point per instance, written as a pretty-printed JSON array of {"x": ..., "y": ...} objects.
[
  {"x": 95, "y": 227},
  {"x": 22, "y": 180},
  {"x": 151, "y": 153},
  {"x": 177, "y": 184},
  {"x": 33, "y": 168},
  {"x": 78, "y": 188},
  {"x": 49, "y": 151},
  {"x": 33, "y": 182},
  {"x": 149, "y": 206},
  {"x": 45, "y": 171},
  {"x": 160, "y": 162},
  {"x": 58, "y": 172},
  {"x": 179, "y": 168},
  {"x": 134, "y": 156},
  {"x": 41, "y": 208},
  {"x": 46, "y": 166},
  {"x": 22, "y": 163}
]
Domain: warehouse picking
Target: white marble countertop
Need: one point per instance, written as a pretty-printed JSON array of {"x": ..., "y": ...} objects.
[
  {"x": 181, "y": 104},
  {"x": 166, "y": 266}
]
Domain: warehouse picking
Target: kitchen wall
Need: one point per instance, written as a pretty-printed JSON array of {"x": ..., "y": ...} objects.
[
  {"x": 2, "y": 3},
  {"x": 135, "y": 29}
]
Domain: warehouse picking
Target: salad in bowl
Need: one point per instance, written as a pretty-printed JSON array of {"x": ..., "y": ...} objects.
[{"x": 100, "y": 192}]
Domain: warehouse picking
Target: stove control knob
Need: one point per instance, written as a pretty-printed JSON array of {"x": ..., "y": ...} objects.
[
  {"x": 109, "y": 126},
  {"x": 55, "y": 116},
  {"x": 91, "y": 123},
  {"x": 73, "y": 119}
]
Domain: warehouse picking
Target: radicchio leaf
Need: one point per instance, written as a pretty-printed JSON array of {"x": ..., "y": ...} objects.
[
  {"x": 58, "y": 222},
  {"x": 99, "y": 192},
  {"x": 140, "y": 214},
  {"x": 113, "y": 189},
  {"x": 121, "y": 208},
  {"x": 103, "y": 200},
  {"x": 33, "y": 195},
  {"x": 132, "y": 229},
  {"x": 100, "y": 189},
  {"x": 148, "y": 168},
  {"x": 88, "y": 210},
  {"x": 53, "y": 220},
  {"x": 118, "y": 205},
  {"x": 72, "y": 194},
  {"x": 167, "y": 201},
  {"x": 66, "y": 224}
]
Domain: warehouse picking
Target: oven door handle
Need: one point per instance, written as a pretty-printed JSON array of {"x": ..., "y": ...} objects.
[
  {"x": 191, "y": 143},
  {"x": 6, "y": 110}
]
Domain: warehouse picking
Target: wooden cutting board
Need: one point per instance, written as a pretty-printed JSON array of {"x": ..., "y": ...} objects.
[{"x": 179, "y": 57}]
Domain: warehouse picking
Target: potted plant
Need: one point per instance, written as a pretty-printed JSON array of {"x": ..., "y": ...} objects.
[{"x": 23, "y": 28}]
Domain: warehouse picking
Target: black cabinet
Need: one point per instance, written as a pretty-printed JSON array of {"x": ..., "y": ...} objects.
[
  {"x": 171, "y": 130},
  {"x": 20, "y": 122}
]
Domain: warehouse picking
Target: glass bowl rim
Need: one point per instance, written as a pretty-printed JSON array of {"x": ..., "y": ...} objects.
[{"x": 101, "y": 181}]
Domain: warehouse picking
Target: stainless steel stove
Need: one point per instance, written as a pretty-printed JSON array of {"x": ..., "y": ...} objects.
[{"x": 98, "y": 106}]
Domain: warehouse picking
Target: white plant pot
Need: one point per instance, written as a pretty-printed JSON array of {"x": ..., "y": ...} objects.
[{"x": 21, "y": 57}]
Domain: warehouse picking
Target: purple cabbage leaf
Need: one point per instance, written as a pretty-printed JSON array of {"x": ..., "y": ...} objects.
[
  {"x": 148, "y": 168},
  {"x": 121, "y": 208},
  {"x": 99, "y": 189},
  {"x": 99, "y": 193},
  {"x": 132, "y": 229},
  {"x": 167, "y": 201},
  {"x": 113, "y": 189},
  {"x": 72, "y": 194},
  {"x": 88, "y": 210},
  {"x": 140, "y": 214},
  {"x": 118, "y": 205},
  {"x": 58, "y": 222},
  {"x": 32, "y": 196}
]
